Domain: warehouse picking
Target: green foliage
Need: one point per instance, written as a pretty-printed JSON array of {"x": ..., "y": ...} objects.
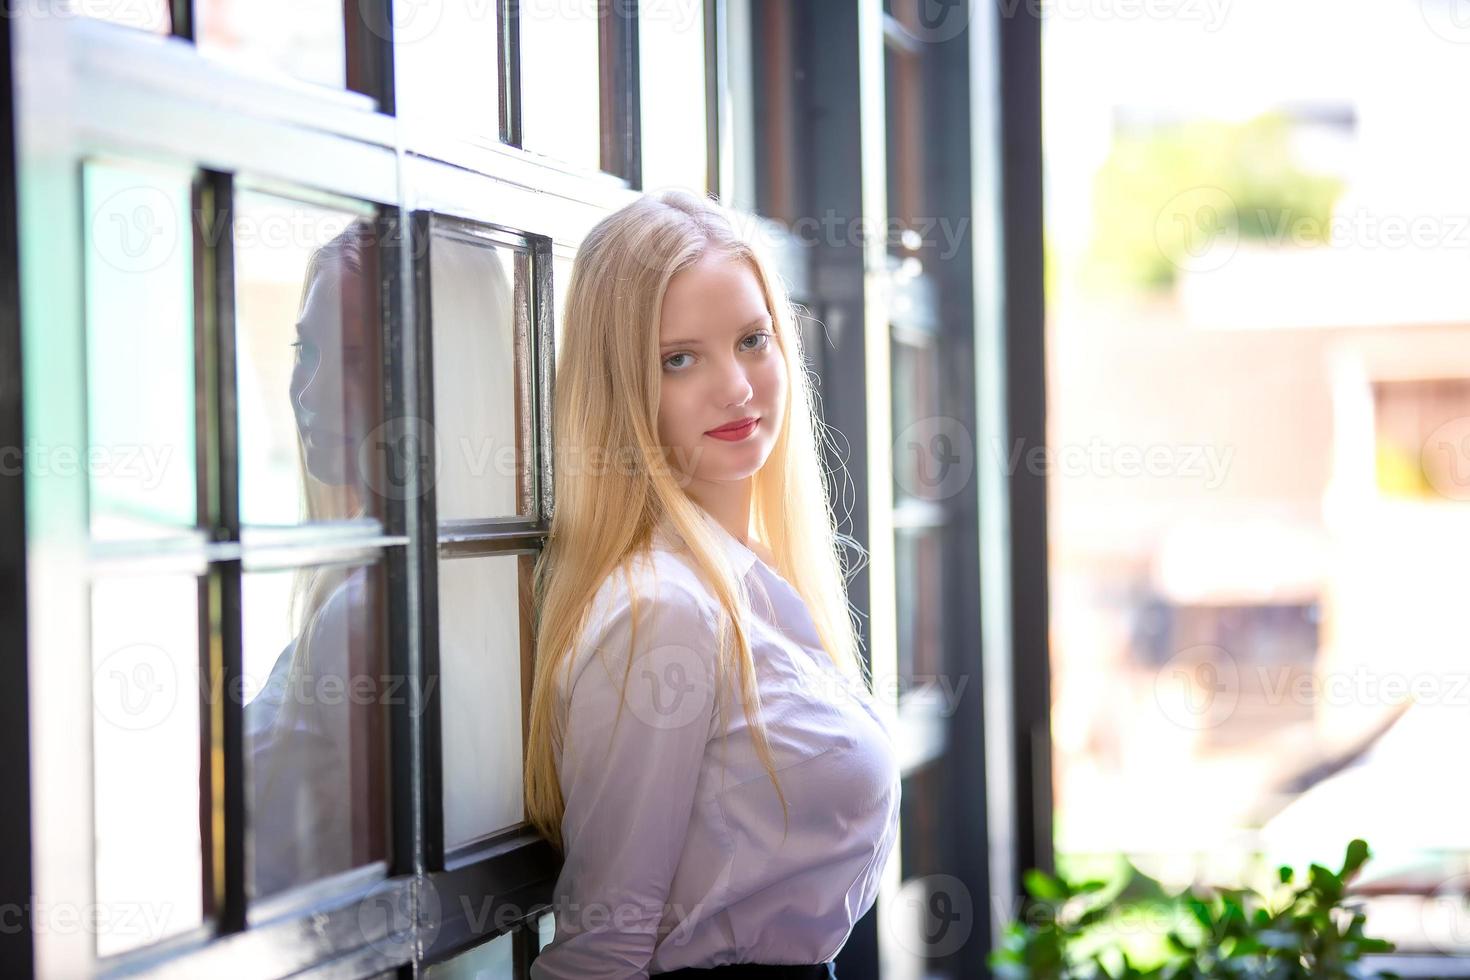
[
  {"x": 1163, "y": 196},
  {"x": 1080, "y": 931}
]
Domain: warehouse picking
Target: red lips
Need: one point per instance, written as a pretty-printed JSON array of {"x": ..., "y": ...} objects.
[{"x": 735, "y": 426}]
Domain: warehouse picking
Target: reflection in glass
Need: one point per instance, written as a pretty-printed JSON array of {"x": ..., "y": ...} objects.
[
  {"x": 145, "y": 745},
  {"x": 491, "y": 961},
  {"x": 481, "y": 326},
  {"x": 671, "y": 79},
  {"x": 303, "y": 39},
  {"x": 315, "y": 716},
  {"x": 307, "y": 336},
  {"x": 140, "y": 325},
  {"x": 482, "y": 637},
  {"x": 560, "y": 93}
]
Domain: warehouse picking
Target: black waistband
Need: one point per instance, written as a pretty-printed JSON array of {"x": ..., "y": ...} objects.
[{"x": 754, "y": 971}]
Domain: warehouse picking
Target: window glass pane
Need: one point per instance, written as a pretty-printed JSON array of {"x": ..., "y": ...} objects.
[
  {"x": 306, "y": 276},
  {"x": 560, "y": 81},
  {"x": 919, "y": 450},
  {"x": 738, "y": 142},
  {"x": 545, "y": 930},
  {"x": 1257, "y": 407},
  {"x": 317, "y": 696},
  {"x": 483, "y": 642},
  {"x": 446, "y": 67},
  {"x": 481, "y": 327},
  {"x": 140, "y": 352},
  {"x": 146, "y": 15},
  {"x": 672, "y": 86},
  {"x": 561, "y": 277},
  {"x": 920, "y": 594},
  {"x": 303, "y": 39},
  {"x": 491, "y": 961},
  {"x": 145, "y": 745}
]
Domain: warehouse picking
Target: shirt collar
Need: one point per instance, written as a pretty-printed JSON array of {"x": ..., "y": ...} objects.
[{"x": 741, "y": 558}]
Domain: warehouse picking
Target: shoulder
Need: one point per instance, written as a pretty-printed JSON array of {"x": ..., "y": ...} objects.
[{"x": 671, "y": 604}]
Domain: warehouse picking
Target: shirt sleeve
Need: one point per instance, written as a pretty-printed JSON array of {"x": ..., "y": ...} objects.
[{"x": 629, "y": 781}]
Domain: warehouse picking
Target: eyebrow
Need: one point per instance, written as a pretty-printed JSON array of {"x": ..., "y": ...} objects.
[{"x": 697, "y": 343}]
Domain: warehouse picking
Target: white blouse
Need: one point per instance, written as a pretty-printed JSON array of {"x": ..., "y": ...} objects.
[{"x": 671, "y": 862}]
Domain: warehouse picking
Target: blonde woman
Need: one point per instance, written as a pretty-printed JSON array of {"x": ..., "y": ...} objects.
[
  {"x": 702, "y": 748},
  {"x": 312, "y": 749}
]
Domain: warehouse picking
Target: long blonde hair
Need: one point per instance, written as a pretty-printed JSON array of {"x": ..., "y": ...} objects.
[
  {"x": 606, "y": 400},
  {"x": 312, "y": 586}
]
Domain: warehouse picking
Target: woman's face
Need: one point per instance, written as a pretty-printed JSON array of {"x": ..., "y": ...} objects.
[
  {"x": 720, "y": 362},
  {"x": 331, "y": 379}
]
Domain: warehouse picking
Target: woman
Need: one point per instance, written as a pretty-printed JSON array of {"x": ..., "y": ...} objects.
[
  {"x": 311, "y": 747},
  {"x": 702, "y": 746}
]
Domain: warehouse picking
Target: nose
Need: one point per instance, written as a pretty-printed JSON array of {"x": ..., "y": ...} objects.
[
  {"x": 735, "y": 388},
  {"x": 306, "y": 392}
]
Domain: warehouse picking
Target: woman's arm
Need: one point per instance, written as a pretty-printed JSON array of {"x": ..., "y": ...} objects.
[{"x": 629, "y": 782}]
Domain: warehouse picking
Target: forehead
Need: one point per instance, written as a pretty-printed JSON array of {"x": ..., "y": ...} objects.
[{"x": 711, "y": 296}]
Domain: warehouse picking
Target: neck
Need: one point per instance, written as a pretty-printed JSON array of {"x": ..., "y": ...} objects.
[{"x": 727, "y": 502}]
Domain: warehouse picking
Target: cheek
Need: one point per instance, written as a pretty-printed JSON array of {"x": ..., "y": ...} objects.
[{"x": 773, "y": 380}]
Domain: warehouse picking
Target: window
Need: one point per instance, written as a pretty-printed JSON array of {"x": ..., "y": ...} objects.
[
  {"x": 560, "y": 82},
  {"x": 672, "y": 68}
]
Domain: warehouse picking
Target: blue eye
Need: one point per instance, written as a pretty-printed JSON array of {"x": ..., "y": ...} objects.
[{"x": 763, "y": 336}]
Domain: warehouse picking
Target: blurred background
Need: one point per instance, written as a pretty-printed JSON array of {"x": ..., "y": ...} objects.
[{"x": 1142, "y": 334}]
